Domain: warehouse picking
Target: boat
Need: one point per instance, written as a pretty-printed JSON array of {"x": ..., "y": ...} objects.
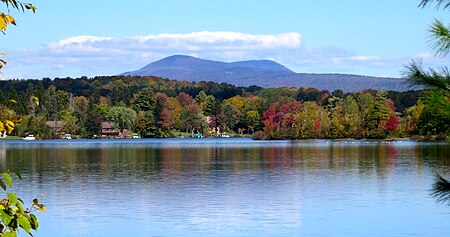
[
  {"x": 29, "y": 137},
  {"x": 226, "y": 135},
  {"x": 198, "y": 135},
  {"x": 67, "y": 136}
]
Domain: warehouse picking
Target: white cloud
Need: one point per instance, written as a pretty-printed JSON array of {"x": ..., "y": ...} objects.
[
  {"x": 92, "y": 55},
  {"x": 192, "y": 42},
  {"x": 426, "y": 56},
  {"x": 365, "y": 58},
  {"x": 220, "y": 41},
  {"x": 354, "y": 59}
]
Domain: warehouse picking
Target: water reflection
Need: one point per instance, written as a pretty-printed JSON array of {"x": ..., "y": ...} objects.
[
  {"x": 229, "y": 187},
  {"x": 110, "y": 159}
]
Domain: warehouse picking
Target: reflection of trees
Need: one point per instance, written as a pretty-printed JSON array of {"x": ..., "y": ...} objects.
[
  {"x": 373, "y": 158},
  {"x": 2, "y": 156}
]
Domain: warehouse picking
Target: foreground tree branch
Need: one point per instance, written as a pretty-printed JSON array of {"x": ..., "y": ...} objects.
[{"x": 441, "y": 190}]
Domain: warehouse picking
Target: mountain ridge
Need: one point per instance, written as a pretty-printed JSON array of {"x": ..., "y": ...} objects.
[{"x": 264, "y": 73}]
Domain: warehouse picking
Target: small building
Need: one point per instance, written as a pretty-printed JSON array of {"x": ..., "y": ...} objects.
[
  {"x": 57, "y": 127},
  {"x": 108, "y": 130}
]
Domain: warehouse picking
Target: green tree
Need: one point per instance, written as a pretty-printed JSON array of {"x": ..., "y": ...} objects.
[
  {"x": 252, "y": 120},
  {"x": 175, "y": 113},
  {"x": 192, "y": 119},
  {"x": 435, "y": 116},
  {"x": 145, "y": 124},
  {"x": 50, "y": 103},
  {"x": 312, "y": 121},
  {"x": 366, "y": 106},
  {"x": 229, "y": 115},
  {"x": 71, "y": 124},
  {"x": 33, "y": 104},
  {"x": 200, "y": 99},
  {"x": 122, "y": 117},
  {"x": 438, "y": 81},
  {"x": 94, "y": 117},
  {"x": 211, "y": 106},
  {"x": 37, "y": 126},
  {"x": 145, "y": 100},
  {"x": 337, "y": 118},
  {"x": 352, "y": 117},
  {"x": 411, "y": 118},
  {"x": 120, "y": 93}
]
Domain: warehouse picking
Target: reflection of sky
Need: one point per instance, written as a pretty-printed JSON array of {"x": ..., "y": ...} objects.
[{"x": 232, "y": 187}]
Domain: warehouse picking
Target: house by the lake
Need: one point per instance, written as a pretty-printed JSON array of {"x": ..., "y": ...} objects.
[
  {"x": 108, "y": 130},
  {"x": 57, "y": 127}
]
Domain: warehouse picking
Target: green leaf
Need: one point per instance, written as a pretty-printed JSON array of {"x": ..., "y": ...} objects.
[
  {"x": 34, "y": 222},
  {"x": 2, "y": 184},
  {"x": 10, "y": 234},
  {"x": 20, "y": 208},
  {"x": 24, "y": 223},
  {"x": 12, "y": 198},
  {"x": 16, "y": 172},
  {"x": 5, "y": 217},
  {"x": 20, "y": 200},
  {"x": 31, "y": 7},
  {"x": 8, "y": 179}
]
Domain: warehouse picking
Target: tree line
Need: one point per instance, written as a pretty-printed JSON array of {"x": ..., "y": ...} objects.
[{"x": 157, "y": 107}]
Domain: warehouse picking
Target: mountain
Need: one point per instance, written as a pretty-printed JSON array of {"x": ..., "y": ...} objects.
[{"x": 264, "y": 73}]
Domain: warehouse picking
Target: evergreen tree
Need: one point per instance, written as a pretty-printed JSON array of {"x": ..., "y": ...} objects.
[
  {"x": 145, "y": 101},
  {"x": 438, "y": 81}
]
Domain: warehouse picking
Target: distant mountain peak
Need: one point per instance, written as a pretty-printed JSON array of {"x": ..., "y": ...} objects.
[
  {"x": 189, "y": 61},
  {"x": 264, "y": 64},
  {"x": 265, "y": 73}
]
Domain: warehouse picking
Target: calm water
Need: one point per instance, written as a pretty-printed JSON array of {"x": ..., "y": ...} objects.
[{"x": 232, "y": 187}]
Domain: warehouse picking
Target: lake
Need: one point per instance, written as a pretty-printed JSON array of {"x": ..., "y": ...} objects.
[{"x": 232, "y": 187}]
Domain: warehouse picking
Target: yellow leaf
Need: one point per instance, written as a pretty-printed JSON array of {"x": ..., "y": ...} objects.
[
  {"x": 9, "y": 125},
  {"x": 11, "y": 19},
  {"x": 3, "y": 22},
  {"x": 2, "y": 128}
]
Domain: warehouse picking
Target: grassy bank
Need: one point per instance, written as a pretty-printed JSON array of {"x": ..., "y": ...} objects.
[{"x": 11, "y": 138}]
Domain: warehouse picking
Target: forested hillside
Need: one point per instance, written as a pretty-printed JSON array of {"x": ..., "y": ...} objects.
[{"x": 157, "y": 107}]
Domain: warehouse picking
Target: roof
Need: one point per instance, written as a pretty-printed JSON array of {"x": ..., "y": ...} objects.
[{"x": 55, "y": 124}]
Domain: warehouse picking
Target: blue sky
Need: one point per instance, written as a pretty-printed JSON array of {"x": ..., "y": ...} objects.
[{"x": 89, "y": 38}]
